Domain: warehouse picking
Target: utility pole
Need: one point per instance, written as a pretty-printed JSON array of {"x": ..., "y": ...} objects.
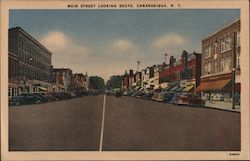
[
  {"x": 234, "y": 69},
  {"x": 138, "y": 64}
]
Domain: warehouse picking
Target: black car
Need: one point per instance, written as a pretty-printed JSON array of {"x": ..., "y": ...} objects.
[
  {"x": 118, "y": 93},
  {"x": 168, "y": 97},
  {"x": 148, "y": 95},
  {"x": 62, "y": 95},
  {"x": 48, "y": 96},
  {"x": 28, "y": 98}
]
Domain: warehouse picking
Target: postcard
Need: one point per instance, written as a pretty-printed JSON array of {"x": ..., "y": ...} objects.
[{"x": 124, "y": 80}]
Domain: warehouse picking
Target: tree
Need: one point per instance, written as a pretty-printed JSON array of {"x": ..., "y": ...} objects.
[
  {"x": 96, "y": 82},
  {"x": 115, "y": 81}
]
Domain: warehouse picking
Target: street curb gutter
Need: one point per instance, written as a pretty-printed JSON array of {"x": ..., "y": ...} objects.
[{"x": 221, "y": 109}]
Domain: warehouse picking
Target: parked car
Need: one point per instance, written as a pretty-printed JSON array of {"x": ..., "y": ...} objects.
[
  {"x": 155, "y": 97},
  {"x": 118, "y": 93},
  {"x": 176, "y": 95},
  {"x": 27, "y": 98},
  {"x": 109, "y": 93},
  {"x": 148, "y": 95},
  {"x": 126, "y": 93},
  {"x": 140, "y": 94},
  {"x": 61, "y": 95},
  {"x": 49, "y": 97},
  {"x": 168, "y": 97},
  {"x": 158, "y": 97},
  {"x": 134, "y": 93},
  {"x": 191, "y": 99}
]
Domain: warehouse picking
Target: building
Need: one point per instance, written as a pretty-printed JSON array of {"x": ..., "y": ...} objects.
[
  {"x": 80, "y": 81},
  {"x": 183, "y": 75},
  {"x": 220, "y": 56},
  {"x": 13, "y": 75},
  {"x": 34, "y": 61},
  {"x": 57, "y": 82},
  {"x": 67, "y": 78},
  {"x": 125, "y": 79},
  {"x": 137, "y": 83},
  {"x": 145, "y": 78}
]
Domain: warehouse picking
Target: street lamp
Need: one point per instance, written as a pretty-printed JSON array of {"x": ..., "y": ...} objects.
[{"x": 233, "y": 66}]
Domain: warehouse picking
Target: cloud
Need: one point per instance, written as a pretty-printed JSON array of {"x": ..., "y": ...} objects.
[
  {"x": 55, "y": 41},
  {"x": 170, "y": 40},
  {"x": 66, "y": 51},
  {"x": 122, "y": 45}
]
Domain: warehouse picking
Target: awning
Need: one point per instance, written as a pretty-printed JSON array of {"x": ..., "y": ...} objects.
[
  {"x": 217, "y": 85},
  {"x": 43, "y": 89},
  {"x": 188, "y": 88},
  {"x": 237, "y": 88}
]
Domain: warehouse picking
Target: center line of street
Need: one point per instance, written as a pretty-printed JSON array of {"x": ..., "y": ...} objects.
[{"x": 103, "y": 118}]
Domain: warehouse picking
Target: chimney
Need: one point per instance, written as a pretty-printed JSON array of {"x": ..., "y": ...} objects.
[{"x": 172, "y": 61}]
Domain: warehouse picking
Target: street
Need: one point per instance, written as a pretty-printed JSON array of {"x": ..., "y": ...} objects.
[{"x": 127, "y": 124}]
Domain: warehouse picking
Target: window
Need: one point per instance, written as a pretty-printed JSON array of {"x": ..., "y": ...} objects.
[
  {"x": 238, "y": 61},
  {"x": 238, "y": 39},
  {"x": 225, "y": 64},
  {"x": 225, "y": 44},
  {"x": 207, "y": 51},
  {"x": 207, "y": 68},
  {"x": 216, "y": 68}
]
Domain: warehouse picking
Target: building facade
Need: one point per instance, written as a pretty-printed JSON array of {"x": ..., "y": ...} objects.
[
  {"x": 67, "y": 78},
  {"x": 80, "y": 81},
  {"x": 183, "y": 75},
  {"x": 13, "y": 75},
  {"x": 34, "y": 61},
  {"x": 220, "y": 56}
]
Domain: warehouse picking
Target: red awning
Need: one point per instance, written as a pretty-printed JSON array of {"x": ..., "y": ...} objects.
[{"x": 217, "y": 85}]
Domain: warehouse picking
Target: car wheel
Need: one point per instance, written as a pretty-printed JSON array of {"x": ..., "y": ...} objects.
[
  {"x": 17, "y": 103},
  {"x": 38, "y": 101}
]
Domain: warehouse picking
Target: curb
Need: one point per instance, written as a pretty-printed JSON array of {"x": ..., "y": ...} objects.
[{"x": 229, "y": 110}]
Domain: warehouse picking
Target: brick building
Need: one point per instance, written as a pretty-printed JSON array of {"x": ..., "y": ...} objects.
[
  {"x": 218, "y": 59},
  {"x": 34, "y": 61},
  {"x": 183, "y": 75}
]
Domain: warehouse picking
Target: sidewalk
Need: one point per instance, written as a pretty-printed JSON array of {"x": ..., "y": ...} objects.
[{"x": 227, "y": 106}]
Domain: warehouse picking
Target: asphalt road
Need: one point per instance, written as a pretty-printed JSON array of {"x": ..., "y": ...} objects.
[
  {"x": 71, "y": 125},
  {"x": 137, "y": 124},
  {"x": 129, "y": 124}
]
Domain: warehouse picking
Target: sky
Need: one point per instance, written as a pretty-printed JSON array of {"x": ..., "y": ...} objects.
[{"x": 108, "y": 42}]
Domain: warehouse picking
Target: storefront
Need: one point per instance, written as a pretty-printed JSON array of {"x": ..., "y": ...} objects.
[{"x": 219, "y": 88}]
